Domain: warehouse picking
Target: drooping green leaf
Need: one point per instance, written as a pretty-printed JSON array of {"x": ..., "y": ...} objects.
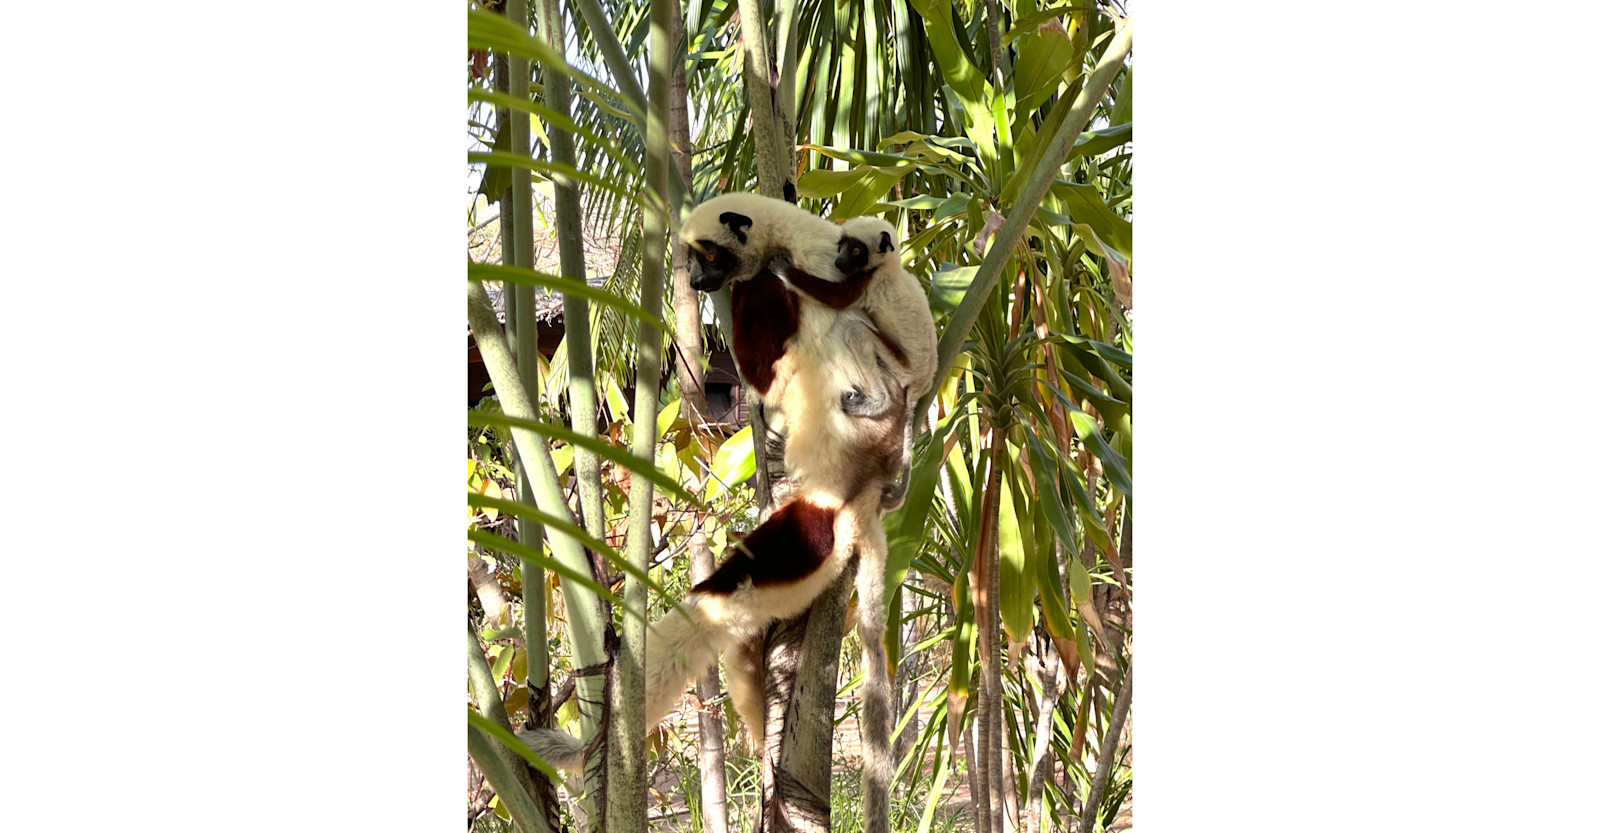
[
  {"x": 818, "y": 184},
  {"x": 949, "y": 285},
  {"x": 1042, "y": 59},
  {"x": 1017, "y": 585},
  {"x": 668, "y": 416},
  {"x": 530, "y": 277},
  {"x": 1047, "y": 569},
  {"x": 907, "y": 526},
  {"x": 1086, "y": 205},
  {"x": 734, "y": 463},
  {"x": 860, "y": 198},
  {"x": 955, "y": 63},
  {"x": 1116, "y": 468}
]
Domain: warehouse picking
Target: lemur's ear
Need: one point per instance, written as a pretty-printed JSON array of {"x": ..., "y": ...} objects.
[
  {"x": 885, "y": 243},
  {"x": 736, "y": 224}
]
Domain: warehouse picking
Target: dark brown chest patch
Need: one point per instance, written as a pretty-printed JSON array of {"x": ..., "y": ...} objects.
[
  {"x": 766, "y": 313},
  {"x": 784, "y": 549}
]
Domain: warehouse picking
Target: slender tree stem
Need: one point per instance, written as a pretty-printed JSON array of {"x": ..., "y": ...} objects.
[
  {"x": 521, "y": 320},
  {"x": 1106, "y": 759},
  {"x": 586, "y": 618},
  {"x": 625, "y": 810},
  {"x": 501, "y": 776}
]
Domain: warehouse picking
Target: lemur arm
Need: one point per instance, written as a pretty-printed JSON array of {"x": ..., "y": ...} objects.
[{"x": 833, "y": 294}]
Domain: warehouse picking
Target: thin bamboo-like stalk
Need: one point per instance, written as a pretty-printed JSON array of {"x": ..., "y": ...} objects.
[
  {"x": 585, "y": 617},
  {"x": 625, "y": 730},
  {"x": 516, "y": 249},
  {"x": 583, "y": 398},
  {"x": 711, "y": 754}
]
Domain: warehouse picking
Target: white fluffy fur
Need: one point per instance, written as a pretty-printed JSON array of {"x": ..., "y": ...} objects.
[
  {"x": 779, "y": 229},
  {"x": 834, "y": 460},
  {"x": 897, "y": 305}
]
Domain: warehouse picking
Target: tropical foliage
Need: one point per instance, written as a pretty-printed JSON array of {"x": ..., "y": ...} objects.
[{"x": 998, "y": 138}]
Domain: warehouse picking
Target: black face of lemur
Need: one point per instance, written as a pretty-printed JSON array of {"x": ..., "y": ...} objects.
[
  {"x": 852, "y": 257},
  {"x": 854, "y": 254},
  {"x": 711, "y": 263}
]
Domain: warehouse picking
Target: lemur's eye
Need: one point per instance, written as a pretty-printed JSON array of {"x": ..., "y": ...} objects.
[{"x": 711, "y": 255}]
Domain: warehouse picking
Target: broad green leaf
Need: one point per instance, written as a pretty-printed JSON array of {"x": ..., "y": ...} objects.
[
  {"x": 502, "y": 655},
  {"x": 519, "y": 668},
  {"x": 517, "y": 700},
  {"x": 1086, "y": 205},
  {"x": 1049, "y": 495},
  {"x": 949, "y": 285},
  {"x": 819, "y": 184},
  {"x": 907, "y": 526},
  {"x": 859, "y": 199},
  {"x": 1078, "y": 577},
  {"x": 1042, "y": 59},
  {"x": 1096, "y": 142},
  {"x": 862, "y": 157},
  {"x": 734, "y": 463},
  {"x": 1116, "y": 468},
  {"x": 1122, "y": 111},
  {"x": 1017, "y": 585},
  {"x": 953, "y": 61},
  {"x": 668, "y": 415},
  {"x": 1029, "y": 21},
  {"x": 961, "y": 484},
  {"x": 954, "y": 205},
  {"x": 616, "y": 403},
  {"x": 921, "y": 202},
  {"x": 1047, "y": 569},
  {"x": 966, "y": 633},
  {"x": 667, "y": 461},
  {"x": 562, "y": 457}
]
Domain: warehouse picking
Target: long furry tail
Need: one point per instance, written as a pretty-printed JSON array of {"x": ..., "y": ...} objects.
[
  {"x": 861, "y": 520},
  {"x": 557, "y": 748},
  {"x": 678, "y": 650}
]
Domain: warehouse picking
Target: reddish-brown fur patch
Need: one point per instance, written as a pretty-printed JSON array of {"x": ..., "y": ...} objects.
[
  {"x": 766, "y": 314},
  {"x": 835, "y": 294},
  {"x": 784, "y": 549}
]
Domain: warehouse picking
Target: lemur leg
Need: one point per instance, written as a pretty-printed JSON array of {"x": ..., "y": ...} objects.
[
  {"x": 860, "y": 519},
  {"x": 746, "y": 690}
]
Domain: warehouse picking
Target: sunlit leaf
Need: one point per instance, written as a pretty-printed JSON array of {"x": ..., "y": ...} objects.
[{"x": 734, "y": 463}]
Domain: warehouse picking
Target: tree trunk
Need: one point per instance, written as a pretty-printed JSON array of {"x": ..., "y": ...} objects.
[
  {"x": 1106, "y": 757},
  {"x": 800, "y": 685},
  {"x": 1043, "y": 732}
]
